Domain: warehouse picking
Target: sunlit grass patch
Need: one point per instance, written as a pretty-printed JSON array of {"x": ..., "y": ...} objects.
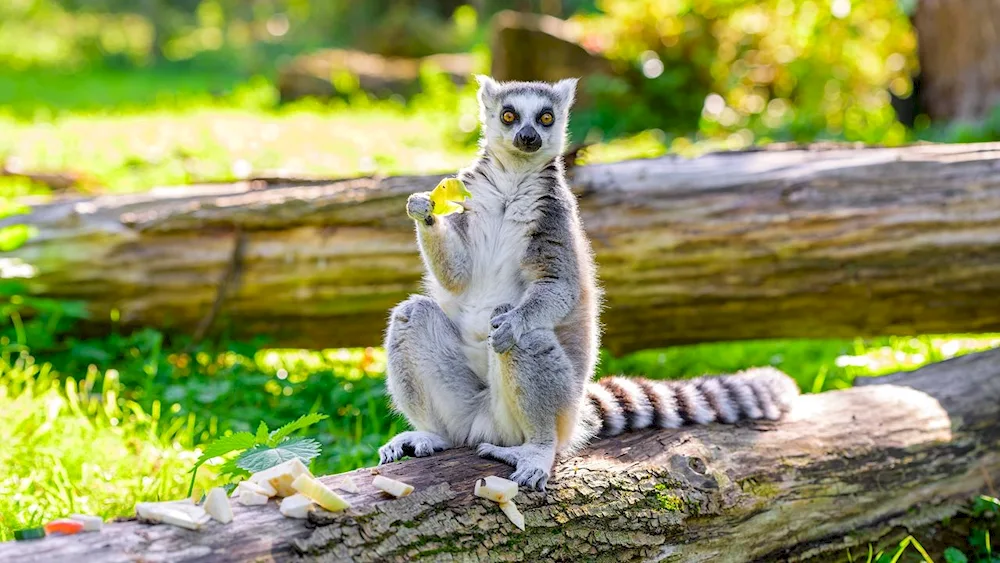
[
  {"x": 72, "y": 447},
  {"x": 909, "y": 353},
  {"x": 126, "y": 141},
  {"x": 817, "y": 365},
  {"x": 125, "y": 153}
]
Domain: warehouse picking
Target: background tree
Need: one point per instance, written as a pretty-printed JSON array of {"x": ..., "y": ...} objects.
[{"x": 959, "y": 67}]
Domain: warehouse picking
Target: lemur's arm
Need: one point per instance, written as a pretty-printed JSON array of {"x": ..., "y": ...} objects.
[
  {"x": 442, "y": 243},
  {"x": 551, "y": 268}
]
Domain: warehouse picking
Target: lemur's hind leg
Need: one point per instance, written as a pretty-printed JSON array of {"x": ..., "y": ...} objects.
[
  {"x": 428, "y": 379},
  {"x": 538, "y": 390}
]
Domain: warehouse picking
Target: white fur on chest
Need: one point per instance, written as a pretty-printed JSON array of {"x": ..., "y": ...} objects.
[{"x": 500, "y": 215}]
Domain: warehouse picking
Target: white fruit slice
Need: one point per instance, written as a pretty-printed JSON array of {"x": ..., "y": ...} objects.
[
  {"x": 186, "y": 506},
  {"x": 90, "y": 523},
  {"x": 173, "y": 513},
  {"x": 319, "y": 493},
  {"x": 296, "y": 506},
  {"x": 280, "y": 476},
  {"x": 496, "y": 489},
  {"x": 217, "y": 505},
  {"x": 250, "y": 498},
  {"x": 393, "y": 487},
  {"x": 264, "y": 488},
  {"x": 347, "y": 484},
  {"x": 510, "y": 509}
]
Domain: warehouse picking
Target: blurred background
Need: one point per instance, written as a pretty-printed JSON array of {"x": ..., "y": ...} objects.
[{"x": 118, "y": 96}]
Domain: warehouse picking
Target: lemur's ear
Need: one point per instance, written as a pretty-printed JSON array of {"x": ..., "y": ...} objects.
[
  {"x": 566, "y": 91},
  {"x": 488, "y": 89}
]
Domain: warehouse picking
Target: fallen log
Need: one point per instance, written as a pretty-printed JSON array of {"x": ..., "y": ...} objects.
[
  {"x": 762, "y": 244},
  {"x": 845, "y": 469}
]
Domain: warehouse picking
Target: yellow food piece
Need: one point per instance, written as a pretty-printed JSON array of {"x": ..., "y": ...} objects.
[
  {"x": 296, "y": 506},
  {"x": 393, "y": 487},
  {"x": 217, "y": 505},
  {"x": 280, "y": 476},
  {"x": 515, "y": 516},
  {"x": 448, "y": 195},
  {"x": 319, "y": 493},
  {"x": 496, "y": 489}
]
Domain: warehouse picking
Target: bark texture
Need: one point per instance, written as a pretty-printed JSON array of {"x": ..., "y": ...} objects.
[
  {"x": 959, "y": 57},
  {"x": 777, "y": 243},
  {"x": 845, "y": 469}
]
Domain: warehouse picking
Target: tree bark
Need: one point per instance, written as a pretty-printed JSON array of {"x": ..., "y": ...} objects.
[
  {"x": 776, "y": 243},
  {"x": 844, "y": 469},
  {"x": 959, "y": 58}
]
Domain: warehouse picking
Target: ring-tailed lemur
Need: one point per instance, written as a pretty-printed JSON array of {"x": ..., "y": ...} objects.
[{"x": 501, "y": 352}]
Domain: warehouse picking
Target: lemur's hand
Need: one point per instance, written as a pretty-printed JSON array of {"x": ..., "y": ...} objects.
[
  {"x": 420, "y": 207},
  {"x": 506, "y": 328}
]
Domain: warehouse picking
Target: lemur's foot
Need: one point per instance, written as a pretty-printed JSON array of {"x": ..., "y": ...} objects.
[
  {"x": 412, "y": 443},
  {"x": 531, "y": 463}
]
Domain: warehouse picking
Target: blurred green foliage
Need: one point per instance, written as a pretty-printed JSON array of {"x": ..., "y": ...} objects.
[
  {"x": 124, "y": 131},
  {"x": 135, "y": 94},
  {"x": 753, "y": 71},
  {"x": 123, "y": 33}
]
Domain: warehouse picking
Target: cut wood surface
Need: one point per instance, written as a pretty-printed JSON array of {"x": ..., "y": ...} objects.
[
  {"x": 846, "y": 468},
  {"x": 762, "y": 244}
]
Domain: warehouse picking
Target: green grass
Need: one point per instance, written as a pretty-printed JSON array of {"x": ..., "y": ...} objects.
[
  {"x": 145, "y": 135},
  {"x": 816, "y": 365},
  {"x": 103, "y": 423},
  {"x": 75, "y": 446},
  {"x": 126, "y": 131}
]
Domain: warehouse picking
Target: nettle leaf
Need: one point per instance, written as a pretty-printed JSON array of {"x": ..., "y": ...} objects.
[
  {"x": 303, "y": 421},
  {"x": 263, "y": 457},
  {"x": 226, "y": 444},
  {"x": 261, "y": 437},
  {"x": 231, "y": 469},
  {"x": 221, "y": 446}
]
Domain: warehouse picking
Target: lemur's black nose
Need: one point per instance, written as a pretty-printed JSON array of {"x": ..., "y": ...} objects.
[{"x": 527, "y": 139}]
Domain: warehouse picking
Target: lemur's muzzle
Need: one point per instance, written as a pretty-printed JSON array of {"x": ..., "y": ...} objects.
[{"x": 527, "y": 139}]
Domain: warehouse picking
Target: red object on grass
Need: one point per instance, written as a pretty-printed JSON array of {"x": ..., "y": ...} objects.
[{"x": 64, "y": 526}]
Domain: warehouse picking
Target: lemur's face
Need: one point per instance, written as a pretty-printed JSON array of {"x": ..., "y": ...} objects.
[{"x": 525, "y": 119}]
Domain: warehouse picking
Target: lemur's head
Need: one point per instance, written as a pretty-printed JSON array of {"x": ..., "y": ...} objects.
[{"x": 525, "y": 119}]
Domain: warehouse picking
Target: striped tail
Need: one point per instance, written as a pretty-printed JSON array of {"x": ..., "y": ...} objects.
[{"x": 617, "y": 404}]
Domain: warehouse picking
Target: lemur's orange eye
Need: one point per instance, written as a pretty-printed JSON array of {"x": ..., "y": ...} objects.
[
  {"x": 508, "y": 117},
  {"x": 545, "y": 119}
]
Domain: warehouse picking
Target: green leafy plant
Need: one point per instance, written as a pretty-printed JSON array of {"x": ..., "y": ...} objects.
[
  {"x": 955, "y": 555},
  {"x": 261, "y": 450},
  {"x": 986, "y": 506},
  {"x": 750, "y": 70}
]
